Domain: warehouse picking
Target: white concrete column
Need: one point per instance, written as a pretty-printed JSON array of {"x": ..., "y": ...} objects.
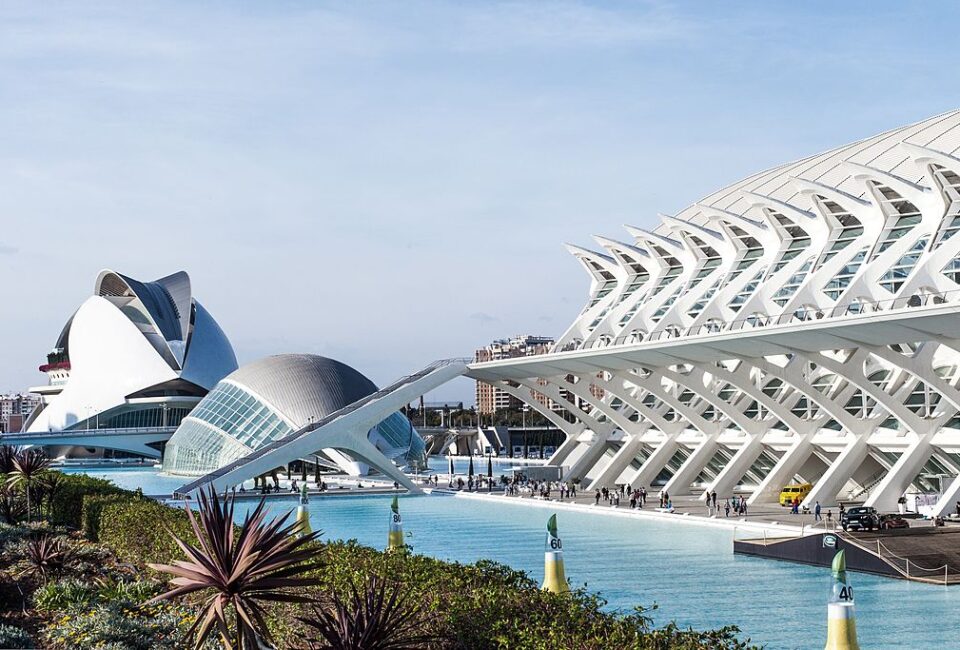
[
  {"x": 948, "y": 500},
  {"x": 680, "y": 482},
  {"x": 589, "y": 458},
  {"x": 783, "y": 472},
  {"x": 826, "y": 489},
  {"x": 620, "y": 461},
  {"x": 733, "y": 471},
  {"x": 884, "y": 496},
  {"x": 655, "y": 463},
  {"x": 564, "y": 450}
]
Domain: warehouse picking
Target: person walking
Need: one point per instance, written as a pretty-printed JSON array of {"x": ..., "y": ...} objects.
[
  {"x": 816, "y": 512},
  {"x": 726, "y": 508},
  {"x": 829, "y": 522},
  {"x": 713, "y": 496},
  {"x": 596, "y": 498}
]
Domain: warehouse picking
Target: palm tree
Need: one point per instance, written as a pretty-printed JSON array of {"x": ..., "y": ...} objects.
[
  {"x": 239, "y": 568},
  {"x": 378, "y": 617},
  {"x": 28, "y": 465}
]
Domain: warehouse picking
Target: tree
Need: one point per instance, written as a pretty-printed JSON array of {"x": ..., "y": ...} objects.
[{"x": 28, "y": 465}]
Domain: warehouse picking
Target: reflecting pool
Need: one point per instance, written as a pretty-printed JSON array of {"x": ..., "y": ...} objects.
[{"x": 689, "y": 571}]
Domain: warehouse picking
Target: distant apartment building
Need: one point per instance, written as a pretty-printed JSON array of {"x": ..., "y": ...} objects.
[
  {"x": 15, "y": 409},
  {"x": 491, "y": 399}
]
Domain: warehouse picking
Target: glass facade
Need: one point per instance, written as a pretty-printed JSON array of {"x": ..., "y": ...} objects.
[{"x": 231, "y": 422}]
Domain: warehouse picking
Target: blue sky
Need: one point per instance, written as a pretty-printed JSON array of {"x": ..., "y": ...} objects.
[{"x": 390, "y": 183}]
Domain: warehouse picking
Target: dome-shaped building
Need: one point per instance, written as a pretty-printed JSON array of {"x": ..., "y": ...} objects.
[
  {"x": 271, "y": 398},
  {"x": 135, "y": 355}
]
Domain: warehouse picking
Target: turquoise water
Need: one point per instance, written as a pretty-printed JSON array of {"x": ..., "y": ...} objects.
[{"x": 689, "y": 571}]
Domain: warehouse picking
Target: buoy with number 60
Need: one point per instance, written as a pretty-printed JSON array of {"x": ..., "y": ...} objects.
[
  {"x": 554, "y": 578},
  {"x": 841, "y": 617},
  {"x": 395, "y": 537}
]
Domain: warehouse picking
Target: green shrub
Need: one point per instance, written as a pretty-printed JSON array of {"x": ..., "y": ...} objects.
[
  {"x": 71, "y": 594},
  {"x": 14, "y": 637},
  {"x": 136, "y": 529},
  {"x": 67, "y": 506},
  {"x": 65, "y": 594},
  {"x": 120, "y": 626},
  {"x": 12, "y": 535}
]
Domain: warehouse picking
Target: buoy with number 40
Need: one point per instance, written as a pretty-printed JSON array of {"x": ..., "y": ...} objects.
[
  {"x": 554, "y": 578},
  {"x": 841, "y": 617},
  {"x": 395, "y": 537}
]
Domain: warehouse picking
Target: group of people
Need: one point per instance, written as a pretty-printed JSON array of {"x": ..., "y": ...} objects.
[
  {"x": 736, "y": 504},
  {"x": 261, "y": 484},
  {"x": 520, "y": 486},
  {"x": 637, "y": 496}
]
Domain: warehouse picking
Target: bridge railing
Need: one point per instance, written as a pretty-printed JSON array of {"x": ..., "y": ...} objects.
[{"x": 71, "y": 433}]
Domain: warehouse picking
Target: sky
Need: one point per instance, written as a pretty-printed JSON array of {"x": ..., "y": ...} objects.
[{"x": 389, "y": 183}]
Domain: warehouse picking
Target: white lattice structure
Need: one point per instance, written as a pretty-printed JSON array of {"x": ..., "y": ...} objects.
[{"x": 802, "y": 324}]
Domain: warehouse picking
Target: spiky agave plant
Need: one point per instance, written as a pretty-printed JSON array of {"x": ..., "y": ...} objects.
[
  {"x": 238, "y": 568},
  {"x": 12, "y": 507},
  {"x": 374, "y": 617},
  {"x": 7, "y": 455},
  {"x": 47, "y": 556},
  {"x": 28, "y": 465}
]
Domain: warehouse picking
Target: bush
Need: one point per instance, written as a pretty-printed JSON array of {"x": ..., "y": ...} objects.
[
  {"x": 120, "y": 626},
  {"x": 14, "y": 637},
  {"x": 67, "y": 506},
  {"x": 72, "y": 594},
  {"x": 136, "y": 529},
  {"x": 10, "y": 535},
  {"x": 64, "y": 594}
]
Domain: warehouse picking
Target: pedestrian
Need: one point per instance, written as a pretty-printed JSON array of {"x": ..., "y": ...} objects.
[
  {"x": 816, "y": 512},
  {"x": 709, "y": 506},
  {"x": 829, "y": 523},
  {"x": 726, "y": 508},
  {"x": 596, "y": 498},
  {"x": 713, "y": 495}
]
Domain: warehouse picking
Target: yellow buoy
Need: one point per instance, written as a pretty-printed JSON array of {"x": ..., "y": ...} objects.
[
  {"x": 395, "y": 537},
  {"x": 841, "y": 616},
  {"x": 303, "y": 516},
  {"x": 554, "y": 578}
]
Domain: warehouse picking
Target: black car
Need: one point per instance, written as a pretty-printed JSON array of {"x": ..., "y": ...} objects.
[{"x": 860, "y": 518}]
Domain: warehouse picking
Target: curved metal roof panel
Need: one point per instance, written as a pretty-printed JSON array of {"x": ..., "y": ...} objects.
[{"x": 301, "y": 386}]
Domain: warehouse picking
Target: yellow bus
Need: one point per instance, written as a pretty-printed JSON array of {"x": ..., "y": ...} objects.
[{"x": 795, "y": 491}]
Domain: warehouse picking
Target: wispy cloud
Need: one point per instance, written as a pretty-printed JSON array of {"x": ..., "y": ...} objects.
[
  {"x": 6, "y": 249},
  {"x": 484, "y": 319}
]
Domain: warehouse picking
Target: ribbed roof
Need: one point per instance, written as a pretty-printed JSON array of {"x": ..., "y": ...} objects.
[
  {"x": 882, "y": 152},
  {"x": 303, "y": 385}
]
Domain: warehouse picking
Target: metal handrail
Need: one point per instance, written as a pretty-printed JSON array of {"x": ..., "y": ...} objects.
[
  {"x": 280, "y": 442},
  {"x": 112, "y": 431},
  {"x": 852, "y": 308}
]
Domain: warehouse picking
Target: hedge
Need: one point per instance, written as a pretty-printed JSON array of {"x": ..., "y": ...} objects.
[
  {"x": 136, "y": 528},
  {"x": 66, "y": 508}
]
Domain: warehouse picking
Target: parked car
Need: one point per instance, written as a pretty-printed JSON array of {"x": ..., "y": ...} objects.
[
  {"x": 860, "y": 518},
  {"x": 888, "y": 522}
]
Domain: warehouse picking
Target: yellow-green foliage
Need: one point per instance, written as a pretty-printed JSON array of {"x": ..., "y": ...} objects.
[
  {"x": 136, "y": 528},
  {"x": 66, "y": 508}
]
